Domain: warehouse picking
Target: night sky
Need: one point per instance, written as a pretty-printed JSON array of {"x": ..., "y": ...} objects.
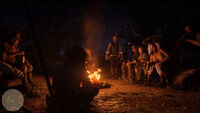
[{"x": 140, "y": 17}]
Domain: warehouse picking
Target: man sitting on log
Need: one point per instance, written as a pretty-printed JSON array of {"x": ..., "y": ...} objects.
[
  {"x": 131, "y": 66},
  {"x": 16, "y": 58},
  {"x": 142, "y": 65},
  {"x": 7, "y": 72}
]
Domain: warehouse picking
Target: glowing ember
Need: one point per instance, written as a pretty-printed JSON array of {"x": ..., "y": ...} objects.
[{"x": 95, "y": 76}]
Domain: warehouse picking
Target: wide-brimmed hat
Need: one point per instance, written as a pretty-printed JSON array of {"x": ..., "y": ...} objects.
[
  {"x": 133, "y": 46},
  {"x": 15, "y": 36}
]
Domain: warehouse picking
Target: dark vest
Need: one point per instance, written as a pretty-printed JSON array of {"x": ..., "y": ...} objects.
[{"x": 115, "y": 46}]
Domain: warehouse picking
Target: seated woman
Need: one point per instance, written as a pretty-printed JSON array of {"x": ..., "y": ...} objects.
[{"x": 72, "y": 87}]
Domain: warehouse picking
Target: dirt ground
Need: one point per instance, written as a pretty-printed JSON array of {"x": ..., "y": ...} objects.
[{"x": 125, "y": 98}]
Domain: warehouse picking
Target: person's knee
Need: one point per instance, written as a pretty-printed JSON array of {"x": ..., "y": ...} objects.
[
  {"x": 123, "y": 69},
  {"x": 30, "y": 68},
  {"x": 123, "y": 66},
  {"x": 160, "y": 73},
  {"x": 149, "y": 73},
  {"x": 18, "y": 73},
  {"x": 24, "y": 69}
]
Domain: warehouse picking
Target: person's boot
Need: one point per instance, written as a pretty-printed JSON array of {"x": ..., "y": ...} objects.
[
  {"x": 124, "y": 78},
  {"x": 26, "y": 109},
  {"x": 161, "y": 81},
  {"x": 112, "y": 72},
  {"x": 145, "y": 80},
  {"x": 29, "y": 91},
  {"x": 130, "y": 78},
  {"x": 32, "y": 93},
  {"x": 30, "y": 79},
  {"x": 148, "y": 80},
  {"x": 26, "y": 87},
  {"x": 167, "y": 82}
]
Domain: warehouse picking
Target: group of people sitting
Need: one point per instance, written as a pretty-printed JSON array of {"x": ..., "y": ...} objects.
[
  {"x": 72, "y": 89},
  {"x": 13, "y": 64},
  {"x": 141, "y": 64},
  {"x": 149, "y": 56}
]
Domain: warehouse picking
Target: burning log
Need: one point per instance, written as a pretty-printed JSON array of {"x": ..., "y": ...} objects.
[{"x": 95, "y": 76}]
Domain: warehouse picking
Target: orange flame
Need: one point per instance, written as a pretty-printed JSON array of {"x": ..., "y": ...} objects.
[{"x": 95, "y": 76}]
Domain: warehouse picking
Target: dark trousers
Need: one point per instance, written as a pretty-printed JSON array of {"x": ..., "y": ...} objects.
[
  {"x": 141, "y": 72},
  {"x": 128, "y": 72},
  {"x": 114, "y": 62}
]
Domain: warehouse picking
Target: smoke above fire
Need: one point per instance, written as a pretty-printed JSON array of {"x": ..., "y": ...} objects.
[{"x": 92, "y": 29}]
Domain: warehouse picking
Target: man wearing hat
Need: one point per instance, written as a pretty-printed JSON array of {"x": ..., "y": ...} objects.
[
  {"x": 132, "y": 64},
  {"x": 114, "y": 53}
]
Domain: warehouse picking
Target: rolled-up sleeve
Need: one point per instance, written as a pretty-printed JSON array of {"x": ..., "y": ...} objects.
[
  {"x": 120, "y": 50},
  {"x": 108, "y": 49},
  {"x": 8, "y": 69}
]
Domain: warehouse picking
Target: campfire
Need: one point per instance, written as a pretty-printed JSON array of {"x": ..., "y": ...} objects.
[
  {"x": 95, "y": 76},
  {"x": 94, "y": 72}
]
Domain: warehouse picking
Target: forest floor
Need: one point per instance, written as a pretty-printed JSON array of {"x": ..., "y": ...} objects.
[{"x": 126, "y": 98}]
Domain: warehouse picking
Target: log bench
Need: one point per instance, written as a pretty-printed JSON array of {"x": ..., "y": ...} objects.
[{"x": 8, "y": 81}]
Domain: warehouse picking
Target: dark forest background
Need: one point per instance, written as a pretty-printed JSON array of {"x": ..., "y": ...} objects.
[{"x": 58, "y": 24}]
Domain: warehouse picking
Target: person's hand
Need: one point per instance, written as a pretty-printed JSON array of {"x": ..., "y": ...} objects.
[
  {"x": 22, "y": 53},
  {"x": 107, "y": 53},
  {"x": 128, "y": 63},
  {"x": 159, "y": 63},
  {"x": 195, "y": 42},
  {"x": 107, "y": 58},
  {"x": 121, "y": 58},
  {"x": 20, "y": 74}
]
